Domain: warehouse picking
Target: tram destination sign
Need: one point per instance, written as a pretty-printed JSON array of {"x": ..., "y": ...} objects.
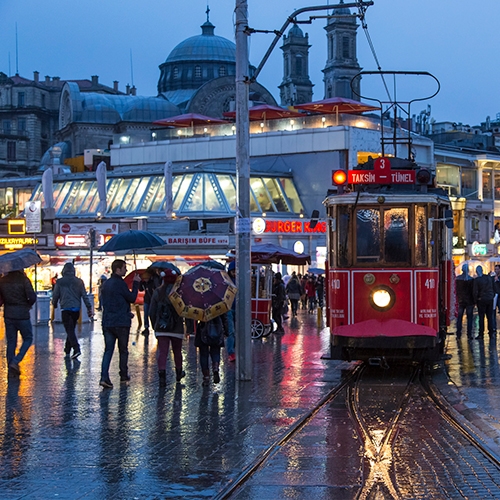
[{"x": 381, "y": 174}]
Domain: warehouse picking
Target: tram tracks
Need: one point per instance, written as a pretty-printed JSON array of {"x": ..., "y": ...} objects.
[{"x": 406, "y": 440}]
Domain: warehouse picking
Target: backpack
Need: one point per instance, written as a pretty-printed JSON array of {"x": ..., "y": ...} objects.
[
  {"x": 211, "y": 332},
  {"x": 166, "y": 318}
]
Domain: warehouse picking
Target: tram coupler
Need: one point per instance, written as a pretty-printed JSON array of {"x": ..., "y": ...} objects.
[{"x": 382, "y": 362}]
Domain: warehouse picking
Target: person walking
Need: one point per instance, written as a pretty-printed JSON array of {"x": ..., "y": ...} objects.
[
  {"x": 117, "y": 319},
  {"x": 496, "y": 289},
  {"x": 231, "y": 317},
  {"x": 17, "y": 296},
  {"x": 70, "y": 291},
  {"x": 311, "y": 294},
  {"x": 320, "y": 291},
  {"x": 101, "y": 282},
  {"x": 482, "y": 290},
  {"x": 209, "y": 340},
  {"x": 465, "y": 300},
  {"x": 278, "y": 300},
  {"x": 150, "y": 282},
  {"x": 168, "y": 327},
  {"x": 293, "y": 291}
]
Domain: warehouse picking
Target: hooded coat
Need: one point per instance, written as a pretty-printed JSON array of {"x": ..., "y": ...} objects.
[{"x": 70, "y": 291}]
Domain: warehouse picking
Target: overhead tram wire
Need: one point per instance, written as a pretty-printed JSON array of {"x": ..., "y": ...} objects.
[{"x": 364, "y": 25}]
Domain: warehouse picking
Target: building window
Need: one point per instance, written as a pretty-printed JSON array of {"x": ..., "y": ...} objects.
[
  {"x": 20, "y": 98},
  {"x": 176, "y": 72},
  {"x": 197, "y": 72},
  {"x": 298, "y": 65},
  {"x": 345, "y": 47},
  {"x": 222, "y": 71},
  {"x": 11, "y": 151},
  {"x": 7, "y": 127},
  {"x": 43, "y": 100},
  {"x": 21, "y": 126}
]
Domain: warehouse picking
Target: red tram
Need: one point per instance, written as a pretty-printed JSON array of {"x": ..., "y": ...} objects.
[{"x": 389, "y": 264}]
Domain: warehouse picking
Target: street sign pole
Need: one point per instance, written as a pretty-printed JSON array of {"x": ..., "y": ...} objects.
[{"x": 242, "y": 226}]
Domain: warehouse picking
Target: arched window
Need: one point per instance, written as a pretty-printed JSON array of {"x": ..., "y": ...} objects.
[
  {"x": 197, "y": 72},
  {"x": 222, "y": 71},
  {"x": 346, "y": 53},
  {"x": 176, "y": 72}
]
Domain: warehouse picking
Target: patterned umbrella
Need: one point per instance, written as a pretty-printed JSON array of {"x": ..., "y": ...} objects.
[{"x": 203, "y": 293}]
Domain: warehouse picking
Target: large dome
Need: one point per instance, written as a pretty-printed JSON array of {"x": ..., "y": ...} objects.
[{"x": 204, "y": 47}]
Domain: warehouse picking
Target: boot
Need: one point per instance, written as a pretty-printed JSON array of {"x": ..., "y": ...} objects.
[
  {"x": 206, "y": 378},
  {"x": 179, "y": 374},
  {"x": 215, "y": 368},
  {"x": 162, "y": 375}
]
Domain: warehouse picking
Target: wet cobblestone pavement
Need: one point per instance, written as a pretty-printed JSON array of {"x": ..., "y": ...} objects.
[{"x": 62, "y": 436}]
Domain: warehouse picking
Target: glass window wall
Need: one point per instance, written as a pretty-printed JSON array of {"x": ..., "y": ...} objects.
[{"x": 469, "y": 182}]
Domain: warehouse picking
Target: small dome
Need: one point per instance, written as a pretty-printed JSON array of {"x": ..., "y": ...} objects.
[
  {"x": 342, "y": 11},
  {"x": 149, "y": 109},
  {"x": 204, "y": 47},
  {"x": 296, "y": 31}
]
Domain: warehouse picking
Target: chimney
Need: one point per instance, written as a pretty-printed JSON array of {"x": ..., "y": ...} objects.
[
  {"x": 95, "y": 80},
  {"x": 115, "y": 85},
  {"x": 47, "y": 79},
  {"x": 133, "y": 91},
  {"x": 127, "y": 89},
  {"x": 56, "y": 78},
  {"x": 36, "y": 76}
]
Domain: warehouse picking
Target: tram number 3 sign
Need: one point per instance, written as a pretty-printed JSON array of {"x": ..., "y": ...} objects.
[{"x": 381, "y": 174}]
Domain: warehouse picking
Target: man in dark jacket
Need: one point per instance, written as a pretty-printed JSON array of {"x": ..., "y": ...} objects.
[
  {"x": 17, "y": 296},
  {"x": 116, "y": 319},
  {"x": 483, "y": 296},
  {"x": 150, "y": 282},
  {"x": 465, "y": 301},
  {"x": 278, "y": 301},
  {"x": 70, "y": 291}
]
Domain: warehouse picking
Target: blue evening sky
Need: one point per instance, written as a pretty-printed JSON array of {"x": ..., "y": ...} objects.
[{"x": 456, "y": 40}]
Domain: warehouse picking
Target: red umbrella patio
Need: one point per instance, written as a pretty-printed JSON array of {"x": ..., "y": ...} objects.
[
  {"x": 336, "y": 105},
  {"x": 189, "y": 120},
  {"x": 265, "y": 112}
]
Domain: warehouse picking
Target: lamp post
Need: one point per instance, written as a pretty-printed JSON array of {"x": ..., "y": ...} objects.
[{"x": 242, "y": 226}]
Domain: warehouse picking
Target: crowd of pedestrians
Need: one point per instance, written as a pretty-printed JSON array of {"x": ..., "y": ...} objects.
[
  {"x": 481, "y": 293},
  {"x": 115, "y": 300}
]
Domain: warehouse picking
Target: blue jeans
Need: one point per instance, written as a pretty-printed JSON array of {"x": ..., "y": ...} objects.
[
  {"x": 111, "y": 335},
  {"x": 12, "y": 326},
  {"x": 146, "y": 316},
  {"x": 207, "y": 351},
  {"x": 230, "y": 337}
]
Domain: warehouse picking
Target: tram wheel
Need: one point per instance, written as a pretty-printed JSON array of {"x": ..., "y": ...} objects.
[{"x": 257, "y": 329}]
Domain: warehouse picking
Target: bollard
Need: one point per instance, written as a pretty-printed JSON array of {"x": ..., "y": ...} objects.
[{"x": 320, "y": 316}]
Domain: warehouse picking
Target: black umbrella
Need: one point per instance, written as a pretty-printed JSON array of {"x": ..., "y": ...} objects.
[
  {"x": 132, "y": 240},
  {"x": 165, "y": 264},
  {"x": 20, "y": 259},
  {"x": 212, "y": 264}
]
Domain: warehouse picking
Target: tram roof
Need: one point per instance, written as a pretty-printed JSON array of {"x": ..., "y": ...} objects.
[{"x": 437, "y": 196}]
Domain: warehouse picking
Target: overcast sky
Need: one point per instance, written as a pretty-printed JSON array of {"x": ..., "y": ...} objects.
[{"x": 456, "y": 40}]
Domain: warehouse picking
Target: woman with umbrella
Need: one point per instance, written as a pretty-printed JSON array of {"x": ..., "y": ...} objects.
[{"x": 168, "y": 326}]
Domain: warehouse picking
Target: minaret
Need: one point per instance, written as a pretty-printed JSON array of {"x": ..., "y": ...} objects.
[
  {"x": 296, "y": 87},
  {"x": 342, "y": 63}
]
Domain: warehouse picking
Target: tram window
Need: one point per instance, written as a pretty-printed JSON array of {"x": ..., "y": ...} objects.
[
  {"x": 420, "y": 236},
  {"x": 396, "y": 235},
  {"x": 342, "y": 235},
  {"x": 368, "y": 235}
]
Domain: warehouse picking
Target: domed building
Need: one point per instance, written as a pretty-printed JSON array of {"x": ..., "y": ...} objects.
[{"x": 199, "y": 75}]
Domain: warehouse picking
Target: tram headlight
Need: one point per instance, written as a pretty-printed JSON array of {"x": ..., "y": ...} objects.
[{"x": 382, "y": 298}]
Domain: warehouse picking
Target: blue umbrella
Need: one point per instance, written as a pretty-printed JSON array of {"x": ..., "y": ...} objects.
[
  {"x": 316, "y": 270},
  {"x": 212, "y": 264},
  {"x": 131, "y": 241}
]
